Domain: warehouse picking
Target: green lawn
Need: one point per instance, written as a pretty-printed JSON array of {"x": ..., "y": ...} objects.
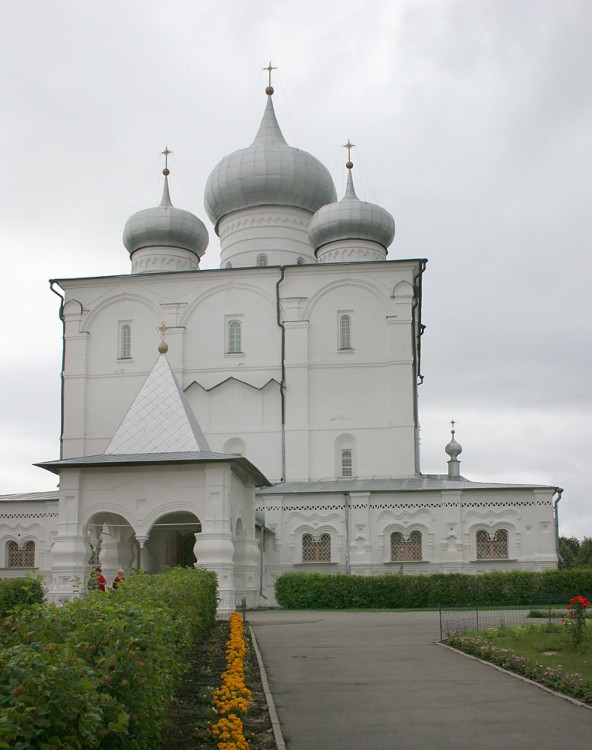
[{"x": 544, "y": 644}]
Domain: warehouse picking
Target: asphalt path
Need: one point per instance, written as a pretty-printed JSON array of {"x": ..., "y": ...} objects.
[{"x": 380, "y": 681}]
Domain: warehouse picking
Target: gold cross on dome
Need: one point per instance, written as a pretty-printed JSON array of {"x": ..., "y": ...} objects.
[
  {"x": 163, "y": 328},
  {"x": 166, "y": 153},
  {"x": 349, "y": 147},
  {"x": 269, "y": 68}
]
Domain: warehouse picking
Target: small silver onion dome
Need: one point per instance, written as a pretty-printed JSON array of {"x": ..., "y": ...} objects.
[
  {"x": 269, "y": 172},
  {"x": 351, "y": 219},
  {"x": 453, "y": 449},
  {"x": 165, "y": 226}
]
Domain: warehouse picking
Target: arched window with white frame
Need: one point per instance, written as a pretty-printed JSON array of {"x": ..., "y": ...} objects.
[
  {"x": 262, "y": 259},
  {"x": 20, "y": 556},
  {"x": 234, "y": 345},
  {"x": 345, "y": 340},
  {"x": 492, "y": 547},
  {"x": 125, "y": 341},
  {"x": 316, "y": 549},
  {"x": 345, "y": 456},
  {"x": 347, "y": 467},
  {"x": 406, "y": 549}
]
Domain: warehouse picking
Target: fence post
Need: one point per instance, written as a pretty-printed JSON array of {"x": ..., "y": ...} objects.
[
  {"x": 440, "y": 611},
  {"x": 477, "y": 614}
]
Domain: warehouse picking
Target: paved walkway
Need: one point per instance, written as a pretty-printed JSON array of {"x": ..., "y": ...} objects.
[{"x": 379, "y": 681}]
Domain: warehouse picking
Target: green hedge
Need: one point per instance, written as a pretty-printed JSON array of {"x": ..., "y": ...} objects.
[
  {"x": 392, "y": 591},
  {"x": 101, "y": 672},
  {"x": 16, "y": 591}
]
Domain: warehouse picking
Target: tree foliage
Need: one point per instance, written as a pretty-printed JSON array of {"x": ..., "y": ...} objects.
[{"x": 575, "y": 553}]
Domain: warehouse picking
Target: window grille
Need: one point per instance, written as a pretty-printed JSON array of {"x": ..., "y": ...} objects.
[
  {"x": 492, "y": 548},
  {"x": 234, "y": 337},
  {"x": 316, "y": 549},
  {"x": 345, "y": 332},
  {"x": 21, "y": 557},
  {"x": 125, "y": 343},
  {"x": 262, "y": 260},
  {"x": 346, "y": 463},
  {"x": 406, "y": 550}
]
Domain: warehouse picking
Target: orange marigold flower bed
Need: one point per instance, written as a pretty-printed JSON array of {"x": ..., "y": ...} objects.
[{"x": 231, "y": 698}]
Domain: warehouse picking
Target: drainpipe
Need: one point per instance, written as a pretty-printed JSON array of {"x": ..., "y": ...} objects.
[
  {"x": 559, "y": 493},
  {"x": 283, "y": 378},
  {"x": 62, "y": 300},
  {"x": 417, "y": 376},
  {"x": 346, "y": 520},
  {"x": 261, "y": 551}
]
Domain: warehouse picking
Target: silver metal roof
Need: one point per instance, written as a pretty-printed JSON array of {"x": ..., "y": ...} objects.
[
  {"x": 351, "y": 219},
  {"x": 159, "y": 420},
  {"x": 421, "y": 483},
  {"x": 268, "y": 172},
  {"x": 30, "y": 497},
  {"x": 239, "y": 463}
]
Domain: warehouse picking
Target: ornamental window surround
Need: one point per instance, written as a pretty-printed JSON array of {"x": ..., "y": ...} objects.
[
  {"x": 262, "y": 260},
  {"x": 344, "y": 333},
  {"x": 20, "y": 556},
  {"x": 492, "y": 547},
  {"x": 406, "y": 550},
  {"x": 125, "y": 341},
  {"x": 316, "y": 549}
]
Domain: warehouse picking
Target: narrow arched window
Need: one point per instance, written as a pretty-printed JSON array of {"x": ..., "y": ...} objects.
[
  {"x": 406, "y": 550},
  {"x": 492, "y": 547},
  {"x": 20, "y": 557},
  {"x": 234, "y": 337},
  {"x": 262, "y": 260},
  {"x": 125, "y": 341},
  {"x": 229, "y": 265},
  {"x": 346, "y": 463},
  {"x": 345, "y": 332},
  {"x": 316, "y": 549},
  {"x": 300, "y": 261}
]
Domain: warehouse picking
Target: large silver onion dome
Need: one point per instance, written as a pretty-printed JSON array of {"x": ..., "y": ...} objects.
[
  {"x": 351, "y": 219},
  {"x": 269, "y": 172},
  {"x": 165, "y": 226}
]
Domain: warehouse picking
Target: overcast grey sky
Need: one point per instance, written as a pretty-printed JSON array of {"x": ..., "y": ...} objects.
[{"x": 473, "y": 126}]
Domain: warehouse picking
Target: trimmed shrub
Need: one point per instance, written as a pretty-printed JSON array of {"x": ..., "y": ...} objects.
[
  {"x": 123, "y": 652},
  {"x": 392, "y": 591},
  {"x": 17, "y": 591}
]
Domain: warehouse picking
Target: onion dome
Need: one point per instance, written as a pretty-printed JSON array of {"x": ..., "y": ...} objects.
[
  {"x": 351, "y": 219},
  {"x": 165, "y": 237},
  {"x": 453, "y": 449},
  {"x": 267, "y": 173}
]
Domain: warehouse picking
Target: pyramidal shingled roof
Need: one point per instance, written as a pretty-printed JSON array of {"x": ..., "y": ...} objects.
[{"x": 159, "y": 420}]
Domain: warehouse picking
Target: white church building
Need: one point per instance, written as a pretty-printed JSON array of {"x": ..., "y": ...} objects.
[{"x": 272, "y": 424}]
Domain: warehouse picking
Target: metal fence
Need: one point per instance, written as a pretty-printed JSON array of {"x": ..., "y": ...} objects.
[{"x": 459, "y": 620}]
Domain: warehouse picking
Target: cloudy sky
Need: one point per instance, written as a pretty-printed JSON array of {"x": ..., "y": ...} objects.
[{"x": 472, "y": 121}]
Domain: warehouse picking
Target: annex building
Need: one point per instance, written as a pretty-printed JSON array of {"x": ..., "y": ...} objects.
[{"x": 272, "y": 425}]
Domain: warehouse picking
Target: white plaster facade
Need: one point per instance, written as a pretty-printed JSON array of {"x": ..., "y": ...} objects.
[{"x": 300, "y": 364}]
